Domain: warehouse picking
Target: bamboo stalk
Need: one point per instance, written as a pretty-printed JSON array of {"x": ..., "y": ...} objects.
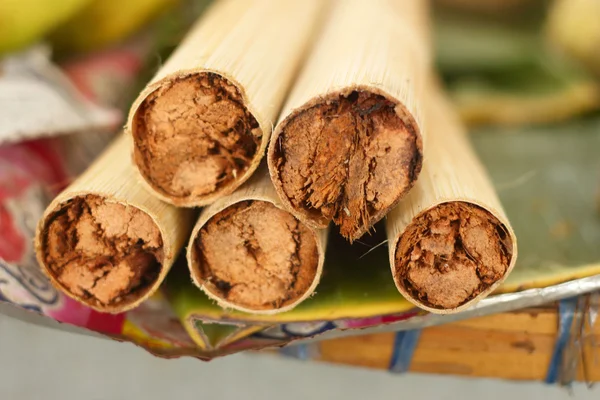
[
  {"x": 105, "y": 241},
  {"x": 248, "y": 253},
  {"x": 450, "y": 242},
  {"x": 349, "y": 142},
  {"x": 201, "y": 126}
]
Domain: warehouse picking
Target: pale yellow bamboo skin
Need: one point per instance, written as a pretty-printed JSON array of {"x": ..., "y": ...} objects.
[
  {"x": 451, "y": 173},
  {"x": 376, "y": 46},
  {"x": 113, "y": 178},
  {"x": 258, "y": 188},
  {"x": 257, "y": 46}
]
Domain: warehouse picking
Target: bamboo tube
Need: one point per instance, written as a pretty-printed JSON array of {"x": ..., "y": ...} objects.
[
  {"x": 201, "y": 126},
  {"x": 105, "y": 241},
  {"x": 450, "y": 242},
  {"x": 348, "y": 145},
  {"x": 248, "y": 253}
]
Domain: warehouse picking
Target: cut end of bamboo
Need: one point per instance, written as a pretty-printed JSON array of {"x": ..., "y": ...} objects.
[
  {"x": 256, "y": 258},
  {"x": 104, "y": 254},
  {"x": 452, "y": 255},
  {"x": 347, "y": 157},
  {"x": 194, "y": 139}
]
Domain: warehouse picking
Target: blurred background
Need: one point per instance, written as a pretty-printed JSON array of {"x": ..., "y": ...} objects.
[{"x": 506, "y": 64}]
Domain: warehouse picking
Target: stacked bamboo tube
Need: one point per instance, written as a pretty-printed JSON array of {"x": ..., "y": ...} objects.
[
  {"x": 349, "y": 144},
  {"x": 104, "y": 241},
  {"x": 201, "y": 126},
  {"x": 450, "y": 242},
  {"x": 273, "y": 261},
  {"x": 360, "y": 121}
]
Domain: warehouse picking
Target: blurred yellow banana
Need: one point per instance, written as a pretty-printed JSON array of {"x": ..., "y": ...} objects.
[
  {"x": 574, "y": 25},
  {"x": 104, "y": 22},
  {"x": 22, "y": 22}
]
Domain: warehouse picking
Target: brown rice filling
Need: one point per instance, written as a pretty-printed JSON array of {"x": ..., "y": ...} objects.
[
  {"x": 101, "y": 252},
  {"x": 348, "y": 160},
  {"x": 451, "y": 253},
  {"x": 194, "y": 137},
  {"x": 257, "y": 256}
]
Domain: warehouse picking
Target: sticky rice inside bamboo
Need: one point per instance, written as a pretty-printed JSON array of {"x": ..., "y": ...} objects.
[
  {"x": 348, "y": 158},
  {"x": 451, "y": 253},
  {"x": 195, "y": 137},
  {"x": 104, "y": 253},
  {"x": 254, "y": 256}
]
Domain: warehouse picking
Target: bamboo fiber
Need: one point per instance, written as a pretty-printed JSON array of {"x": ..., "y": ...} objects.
[
  {"x": 249, "y": 254},
  {"x": 104, "y": 241},
  {"x": 450, "y": 242},
  {"x": 351, "y": 128},
  {"x": 201, "y": 126}
]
